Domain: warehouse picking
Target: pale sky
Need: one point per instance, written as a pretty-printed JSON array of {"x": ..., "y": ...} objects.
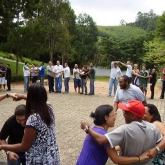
[{"x": 111, "y": 12}]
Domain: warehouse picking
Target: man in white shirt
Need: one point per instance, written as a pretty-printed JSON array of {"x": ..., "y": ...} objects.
[
  {"x": 115, "y": 74},
  {"x": 26, "y": 74},
  {"x": 50, "y": 73},
  {"x": 58, "y": 69},
  {"x": 77, "y": 79},
  {"x": 129, "y": 69},
  {"x": 66, "y": 71}
]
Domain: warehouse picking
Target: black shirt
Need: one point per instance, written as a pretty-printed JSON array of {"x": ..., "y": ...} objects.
[
  {"x": 8, "y": 73},
  {"x": 153, "y": 79},
  {"x": 13, "y": 130},
  {"x": 83, "y": 76}
]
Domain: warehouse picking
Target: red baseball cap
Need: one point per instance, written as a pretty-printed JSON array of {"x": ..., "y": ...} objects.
[{"x": 134, "y": 106}]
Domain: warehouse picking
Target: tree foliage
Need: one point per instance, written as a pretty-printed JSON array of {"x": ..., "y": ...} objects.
[{"x": 146, "y": 21}]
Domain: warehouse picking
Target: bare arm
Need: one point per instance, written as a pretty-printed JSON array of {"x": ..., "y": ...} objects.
[
  {"x": 2, "y": 97},
  {"x": 122, "y": 64},
  {"x": 99, "y": 138},
  {"x": 27, "y": 141},
  {"x": 153, "y": 152},
  {"x": 112, "y": 153},
  {"x": 144, "y": 102},
  {"x": 115, "y": 107},
  {"x": 19, "y": 97},
  {"x": 160, "y": 126},
  {"x": 12, "y": 156}
]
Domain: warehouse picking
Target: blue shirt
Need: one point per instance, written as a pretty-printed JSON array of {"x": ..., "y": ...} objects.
[
  {"x": 42, "y": 71},
  {"x": 92, "y": 153}
]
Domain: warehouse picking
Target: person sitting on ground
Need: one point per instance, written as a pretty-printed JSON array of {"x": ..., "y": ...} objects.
[
  {"x": 152, "y": 115},
  {"x": 13, "y": 129},
  {"x": 134, "y": 137},
  {"x": 39, "y": 140}
]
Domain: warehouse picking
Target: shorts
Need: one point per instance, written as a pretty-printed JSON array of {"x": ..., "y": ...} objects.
[
  {"x": 77, "y": 83},
  {"x": 2, "y": 80},
  {"x": 143, "y": 87}
]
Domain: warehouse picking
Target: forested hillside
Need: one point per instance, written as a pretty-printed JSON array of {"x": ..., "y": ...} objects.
[
  {"x": 121, "y": 32},
  {"x": 50, "y": 30}
]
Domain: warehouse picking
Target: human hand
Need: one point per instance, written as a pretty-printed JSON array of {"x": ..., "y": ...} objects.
[
  {"x": 19, "y": 97},
  {"x": 152, "y": 153},
  {"x": 13, "y": 156},
  {"x": 12, "y": 95},
  {"x": 83, "y": 124},
  {"x": 144, "y": 156}
]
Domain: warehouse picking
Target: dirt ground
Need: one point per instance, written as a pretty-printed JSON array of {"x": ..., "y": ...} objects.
[{"x": 100, "y": 87}]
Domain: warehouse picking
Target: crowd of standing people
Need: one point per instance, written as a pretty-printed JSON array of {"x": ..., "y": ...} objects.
[
  {"x": 140, "y": 141},
  {"x": 55, "y": 75}
]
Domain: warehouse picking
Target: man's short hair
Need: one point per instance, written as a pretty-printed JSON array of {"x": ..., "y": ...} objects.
[
  {"x": 126, "y": 78},
  {"x": 20, "y": 110}
]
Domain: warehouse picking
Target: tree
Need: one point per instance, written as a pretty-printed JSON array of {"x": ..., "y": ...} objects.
[
  {"x": 160, "y": 30},
  {"x": 86, "y": 38}
]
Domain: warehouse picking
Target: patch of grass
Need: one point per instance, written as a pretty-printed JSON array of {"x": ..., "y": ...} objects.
[
  {"x": 13, "y": 67},
  {"x": 102, "y": 78}
]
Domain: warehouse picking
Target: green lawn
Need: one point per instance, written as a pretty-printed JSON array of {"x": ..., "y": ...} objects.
[{"x": 102, "y": 78}]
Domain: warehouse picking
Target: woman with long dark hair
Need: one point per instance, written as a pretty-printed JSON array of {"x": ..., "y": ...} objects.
[
  {"x": 39, "y": 141},
  {"x": 152, "y": 115}
]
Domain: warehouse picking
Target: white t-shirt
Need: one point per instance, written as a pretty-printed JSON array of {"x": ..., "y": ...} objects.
[
  {"x": 26, "y": 71},
  {"x": 132, "y": 93},
  {"x": 134, "y": 139},
  {"x": 66, "y": 72},
  {"x": 129, "y": 71},
  {"x": 76, "y": 75},
  {"x": 58, "y": 68},
  {"x": 50, "y": 67},
  {"x": 115, "y": 72}
]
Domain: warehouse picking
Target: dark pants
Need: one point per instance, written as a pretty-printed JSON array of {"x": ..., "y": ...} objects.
[
  {"x": 21, "y": 160},
  {"x": 152, "y": 88},
  {"x": 84, "y": 85},
  {"x": 51, "y": 83},
  {"x": 163, "y": 89},
  {"x": 92, "y": 87},
  {"x": 66, "y": 84},
  {"x": 9, "y": 83},
  {"x": 34, "y": 79}
]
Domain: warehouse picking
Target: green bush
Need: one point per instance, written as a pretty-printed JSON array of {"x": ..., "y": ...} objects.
[{"x": 17, "y": 78}]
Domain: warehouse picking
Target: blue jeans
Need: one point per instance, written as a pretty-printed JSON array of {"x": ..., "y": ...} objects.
[
  {"x": 20, "y": 160},
  {"x": 58, "y": 84},
  {"x": 111, "y": 83},
  {"x": 92, "y": 87},
  {"x": 42, "y": 80},
  {"x": 66, "y": 84},
  {"x": 84, "y": 85},
  {"x": 26, "y": 83}
]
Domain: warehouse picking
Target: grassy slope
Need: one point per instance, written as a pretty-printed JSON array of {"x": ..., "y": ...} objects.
[
  {"x": 13, "y": 64},
  {"x": 120, "y": 32}
]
